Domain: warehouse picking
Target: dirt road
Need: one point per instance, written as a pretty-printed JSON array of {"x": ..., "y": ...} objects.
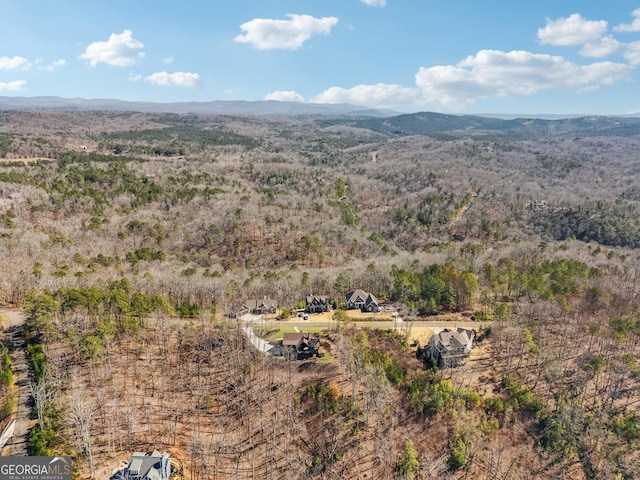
[{"x": 17, "y": 445}]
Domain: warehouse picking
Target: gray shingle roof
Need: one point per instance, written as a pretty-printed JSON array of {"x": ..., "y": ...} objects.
[
  {"x": 317, "y": 299},
  {"x": 254, "y": 304},
  {"x": 455, "y": 341},
  {"x": 359, "y": 295},
  {"x": 147, "y": 466}
]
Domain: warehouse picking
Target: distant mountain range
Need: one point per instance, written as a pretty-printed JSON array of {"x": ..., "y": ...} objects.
[
  {"x": 387, "y": 122},
  {"x": 454, "y": 126},
  {"x": 217, "y": 107}
]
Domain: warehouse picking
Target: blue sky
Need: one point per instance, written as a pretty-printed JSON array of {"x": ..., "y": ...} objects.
[{"x": 565, "y": 57}]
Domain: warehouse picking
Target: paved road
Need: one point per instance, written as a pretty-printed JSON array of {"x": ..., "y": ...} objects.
[
  {"x": 257, "y": 342},
  {"x": 385, "y": 324},
  {"x": 17, "y": 446}
]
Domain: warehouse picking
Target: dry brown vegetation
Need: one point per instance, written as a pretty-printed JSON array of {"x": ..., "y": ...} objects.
[{"x": 167, "y": 217}]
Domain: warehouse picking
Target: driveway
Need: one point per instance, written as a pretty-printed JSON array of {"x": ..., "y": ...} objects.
[{"x": 17, "y": 445}]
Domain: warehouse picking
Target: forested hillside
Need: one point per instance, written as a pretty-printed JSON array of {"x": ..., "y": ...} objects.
[{"x": 127, "y": 238}]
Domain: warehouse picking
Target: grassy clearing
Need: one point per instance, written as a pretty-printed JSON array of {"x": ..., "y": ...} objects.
[{"x": 326, "y": 359}]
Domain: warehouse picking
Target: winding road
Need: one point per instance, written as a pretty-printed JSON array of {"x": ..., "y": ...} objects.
[{"x": 19, "y": 441}]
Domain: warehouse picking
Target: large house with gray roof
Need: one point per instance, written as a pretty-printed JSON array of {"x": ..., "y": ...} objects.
[
  {"x": 360, "y": 299},
  {"x": 451, "y": 347},
  {"x": 145, "y": 466},
  {"x": 254, "y": 306},
  {"x": 316, "y": 304},
  {"x": 299, "y": 345}
]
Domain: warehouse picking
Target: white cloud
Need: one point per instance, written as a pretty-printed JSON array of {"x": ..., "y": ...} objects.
[
  {"x": 177, "y": 79},
  {"x": 500, "y": 74},
  {"x": 633, "y": 26},
  {"x": 267, "y": 34},
  {"x": 492, "y": 73},
  {"x": 488, "y": 74},
  {"x": 120, "y": 50},
  {"x": 14, "y": 86},
  {"x": 375, "y": 3},
  {"x": 573, "y": 30},
  {"x": 378, "y": 95},
  {"x": 134, "y": 77},
  {"x": 168, "y": 60},
  {"x": 576, "y": 30},
  {"x": 13, "y": 63},
  {"x": 602, "y": 47},
  {"x": 284, "y": 96},
  {"x": 632, "y": 53},
  {"x": 53, "y": 66}
]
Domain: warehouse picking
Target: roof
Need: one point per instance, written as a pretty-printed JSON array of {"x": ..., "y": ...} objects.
[
  {"x": 294, "y": 338},
  {"x": 317, "y": 299},
  {"x": 365, "y": 297},
  {"x": 371, "y": 300},
  {"x": 454, "y": 340},
  {"x": 148, "y": 466},
  {"x": 256, "y": 303}
]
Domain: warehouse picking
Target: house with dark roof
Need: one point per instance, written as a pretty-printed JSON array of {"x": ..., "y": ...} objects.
[
  {"x": 298, "y": 345},
  {"x": 360, "y": 299},
  {"x": 452, "y": 347},
  {"x": 255, "y": 306},
  {"x": 316, "y": 304},
  {"x": 145, "y": 466}
]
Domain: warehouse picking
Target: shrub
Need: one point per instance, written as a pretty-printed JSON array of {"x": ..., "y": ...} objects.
[
  {"x": 187, "y": 309},
  {"x": 7, "y": 408},
  {"x": 328, "y": 397},
  {"x": 556, "y": 437},
  {"x": 408, "y": 464},
  {"x": 627, "y": 427},
  {"x": 458, "y": 457},
  {"x": 38, "y": 359},
  {"x": 40, "y": 441},
  {"x": 523, "y": 397}
]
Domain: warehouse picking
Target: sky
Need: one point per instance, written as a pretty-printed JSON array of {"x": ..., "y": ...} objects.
[{"x": 450, "y": 56}]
